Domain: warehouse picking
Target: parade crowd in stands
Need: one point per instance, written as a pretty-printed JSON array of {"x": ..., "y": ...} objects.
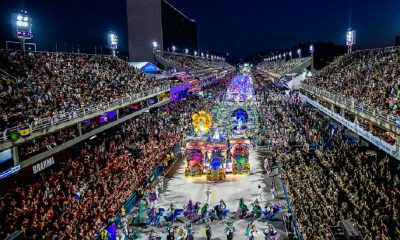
[
  {"x": 197, "y": 66},
  {"x": 48, "y": 84},
  {"x": 76, "y": 200},
  {"x": 369, "y": 77},
  {"x": 281, "y": 67},
  {"x": 330, "y": 176}
]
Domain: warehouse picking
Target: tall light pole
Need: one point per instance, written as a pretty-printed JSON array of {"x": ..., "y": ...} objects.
[
  {"x": 23, "y": 27},
  {"x": 312, "y": 56},
  {"x": 186, "y": 51},
  {"x": 112, "y": 42},
  {"x": 290, "y": 54},
  {"x": 350, "y": 39},
  {"x": 299, "y": 52},
  {"x": 173, "y": 48},
  {"x": 155, "y": 45}
]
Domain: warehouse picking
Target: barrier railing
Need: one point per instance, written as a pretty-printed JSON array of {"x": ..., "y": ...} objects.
[
  {"x": 360, "y": 106},
  {"x": 81, "y": 112},
  {"x": 289, "y": 206}
]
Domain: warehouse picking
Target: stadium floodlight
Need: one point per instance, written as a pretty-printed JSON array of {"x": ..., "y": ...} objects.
[
  {"x": 202, "y": 54},
  {"x": 155, "y": 44},
  {"x": 112, "y": 42},
  {"x": 195, "y": 53},
  {"x": 186, "y": 51},
  {"x": 173, "y": 48},
  {"x": 299, "y": 52},
  {"x": 23, "y": 27},
  {"x": 311, "y": 49},
  {"x": 350, "y": 39},
  {"x": 290, "y": 54},
  {"x": 312, "y": 56},
  {"x": 207, "y": 55}
]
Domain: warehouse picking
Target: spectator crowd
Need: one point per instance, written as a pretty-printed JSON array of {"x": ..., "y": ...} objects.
[
  {"x": 77, "y": 199},
  {"x": 52, "y": 84},
  {"x": 371, "y": 78},
  {"x": 330, "y": 175},
  {"x": 281, "y": 67}
]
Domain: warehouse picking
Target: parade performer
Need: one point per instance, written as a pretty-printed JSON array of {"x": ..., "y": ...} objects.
[
  {"x": 270, "y": 233},
  {"x": 229, "y": 231},
  {"x": 208, "y": 196},
  {"x": 271, "y": 211},
  {"x": 243, "y": 209},
  {"x": 170, "y": 232},
  {"x": 161, "y": 182},
  {"x": 172, "y": 213},
  {"x": 253, "y": 233},
  {"x": 189, "y": 210},
  {"x": 124, "y": 222},
  {"x": 257, "y": 210},
  {"x": 153, "y": 235},
  {"x": 197, "y": 208},
  {"x": 259, "y": 193},
  {"x": 153, "y": 198},
  {"x": 208, "y": 232},
  {"x": 181, "y": 233},
  {"x": 221, "y": 210}
]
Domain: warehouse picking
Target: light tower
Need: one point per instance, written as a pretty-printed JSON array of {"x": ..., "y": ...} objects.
[
  {"x": 350, "y": 39},
  {"x": 155, "y": 45},
  {"x": 299, "y": 52},
  {"x": 173, "y": 48},
  {"x": 312, "y": 56},
  {"x": 290, "y": 54},
  {"x": 112, "y": 42},
  {"x": 186, "y": 51},
  {"x": 23, "y": 27}
]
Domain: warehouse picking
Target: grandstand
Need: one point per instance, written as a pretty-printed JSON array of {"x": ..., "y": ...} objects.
[{"x": 186, "y": 146}]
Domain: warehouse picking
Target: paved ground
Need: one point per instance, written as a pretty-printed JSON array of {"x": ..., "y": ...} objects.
[{"x": 179, "y": 189}]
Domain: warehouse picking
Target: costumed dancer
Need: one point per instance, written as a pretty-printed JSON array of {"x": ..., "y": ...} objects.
[
  {"x": 257, "y": 210},
  {"x": 170, "y": 232},
  {"x": 270, "y": 233},
  {"x": 153, "y": 198},
  {"x": 243, "y": 209},
  {"x": 153, "y": 235},
  {"x": 182, "y": 233},
  {"x": 221, "y": 210},
  {"x": 208, "y": 196},
  {"x": 189, "y": 211},
  {"x": 161, "y": 182},
  {"x": 259, "y": 193},
  {"x": 124, "y": 221},
  {"x": 208, "y": 232},
  {"x": 267, "y": 167},
  {"x": 204, "y": 212},
  {"x": 229, "y": 231}
]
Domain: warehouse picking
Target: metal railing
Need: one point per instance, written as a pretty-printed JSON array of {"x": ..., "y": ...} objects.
[
  {"x": 360, "y": 106},
  {"x": 44, "y": 123}
]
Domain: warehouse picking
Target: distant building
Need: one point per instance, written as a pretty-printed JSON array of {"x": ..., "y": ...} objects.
[
  {"x": 158, "y": 21},
  {"x": 397, "y": 40}
]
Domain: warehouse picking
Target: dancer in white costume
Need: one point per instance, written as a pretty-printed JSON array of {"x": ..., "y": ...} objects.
[{"x": 208, "y": 196}]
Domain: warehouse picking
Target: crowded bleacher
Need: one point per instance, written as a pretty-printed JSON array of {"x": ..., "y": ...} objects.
[
  {"x": 281, "y": 67},
  {"x": 76, "y": 199},
  {"x": 330, "y": 175},
  {"x": 196, "y": 65},
  {"x": 369, "y": 77},
  {"x": 47, "y": 84}
]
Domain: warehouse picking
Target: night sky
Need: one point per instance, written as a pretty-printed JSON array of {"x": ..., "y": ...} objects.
[{"x": 237, "y": 27}]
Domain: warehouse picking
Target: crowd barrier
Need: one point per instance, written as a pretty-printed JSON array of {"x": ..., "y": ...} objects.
[{"x": 289, "y": 206}]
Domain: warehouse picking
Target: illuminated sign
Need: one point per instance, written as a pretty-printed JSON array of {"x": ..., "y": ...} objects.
[{"x": 10, "y": 171}]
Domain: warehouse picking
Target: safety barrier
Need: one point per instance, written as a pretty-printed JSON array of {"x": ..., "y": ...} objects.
[{"x": 289, "y": 206}]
